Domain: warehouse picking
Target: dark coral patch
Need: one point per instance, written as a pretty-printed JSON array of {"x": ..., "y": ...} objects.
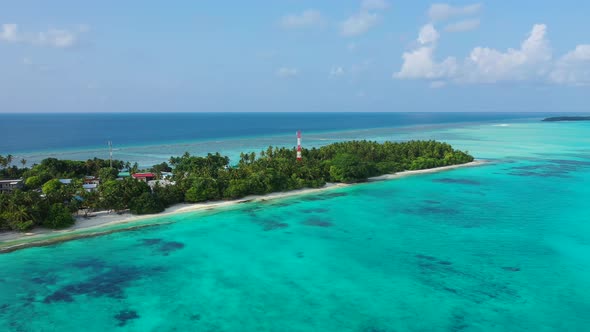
[
  {"x": 511, "y": 268},
  {"x": 312, "y": 198},
  {"x": 322, "y": 197},
  {"x": 426, "y": 257},
  {"x": 317, "y": 222},
  {"x": 168, "y": 247},
  {"x": 332, "y": 195},
  {"x": 457, "y": 181},
  {"x": 48, "y": 279},
  {"x": 316, "y": 210},
  {"x": 450, "y": 290},
  {"x": 110, "y": 283},
  {"x": 431, "y": 210},
  {"x": 273, "y": 225},
  {"x": 124, "y": 316},
  {"x": 90, "y": 263},
  {"x": 151, "y": 242},
  {"x": 195, "y": 317},
  {"x": 553, "y": 168},
  {"x": 269, "y": 224},
  {"x": 430, "y": 201},
  {"x": 59, "y": 296}
]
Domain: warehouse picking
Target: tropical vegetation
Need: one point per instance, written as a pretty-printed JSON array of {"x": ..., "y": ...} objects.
[{"x": 46, "y": 201}]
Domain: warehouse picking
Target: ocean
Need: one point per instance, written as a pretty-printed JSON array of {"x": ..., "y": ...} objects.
[
  {"x": 151, "y": 138},
  {"x": 499, "y": 247}
]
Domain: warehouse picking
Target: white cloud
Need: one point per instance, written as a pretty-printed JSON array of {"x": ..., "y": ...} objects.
[
  {"x": 443, "y": 11},
  {"x": 336, "y": 71},
  {"x": 286, "y": 72},
  {"x": 374, "y": 4},
  {"x": 428, "y": 35},
  {"x": 9, "y": 32},
  {"x": 420, "y": 63},
  {"x": 531, "y": 61},
  {"x": 573, "y": 68},
  {"x": 306, "y": 19},
  {"x": 358, "y": 24},
  {"x": 462, "y": 26},
  {"x": 53, "y": 37},
  {"x": 57, "y": 38},
  {"x": 487, "y": 65},
  {"x": 364, "y": 19}
]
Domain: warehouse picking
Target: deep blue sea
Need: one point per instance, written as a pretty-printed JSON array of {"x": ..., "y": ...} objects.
[{"x": 147, "y": 137}]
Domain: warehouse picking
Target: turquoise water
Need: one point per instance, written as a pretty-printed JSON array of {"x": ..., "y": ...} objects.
[{"x": 500, "y": 247}]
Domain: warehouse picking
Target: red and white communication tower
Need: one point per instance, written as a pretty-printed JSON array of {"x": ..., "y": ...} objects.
[{"x": 298, "y": 145}]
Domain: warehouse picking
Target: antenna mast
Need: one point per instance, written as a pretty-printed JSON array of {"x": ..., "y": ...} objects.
[
  {"x": 111, "y": 153},
  {"x": 298, "y": 145}
]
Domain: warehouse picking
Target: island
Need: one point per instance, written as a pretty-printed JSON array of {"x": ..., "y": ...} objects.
[
  {"x": 55, "y": 193},
  {"x": 567, "y": 118}
]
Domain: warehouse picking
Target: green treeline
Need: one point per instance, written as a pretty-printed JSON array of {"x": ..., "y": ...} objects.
[{"x": 45, "y": 201}]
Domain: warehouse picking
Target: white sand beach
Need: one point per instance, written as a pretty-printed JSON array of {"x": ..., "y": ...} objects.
[{"x": 99, "y": 221}]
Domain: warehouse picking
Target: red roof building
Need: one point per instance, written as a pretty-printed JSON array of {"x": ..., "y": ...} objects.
[{"x": 144, "y": 176}]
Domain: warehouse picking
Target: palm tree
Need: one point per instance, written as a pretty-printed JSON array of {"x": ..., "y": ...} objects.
[
  {"x": 9, "y": 159},
  {"x": 24, "y": 162}
]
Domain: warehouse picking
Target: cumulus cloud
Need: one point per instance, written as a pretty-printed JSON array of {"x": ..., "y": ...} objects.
[
  {"x": 53, "y": 37},
  {"x": 462, "y": 26},
  {"x": 532, "y": 61},
  {"x": 306, "y": 19},
  {"x": 9, "y": 32},
  {"x": 443, "y": 11},
  {"x": 420, "y": 63},
  {"x": 573, "y": 68},
  {"x": 364, "y": 19},
  {"x": 428, "y": 34},
  {"x": 57, "y": 38},
  {"x": 358, "y": 24},
  {"x": 286, "y": 72},
  {"x": 487, "y": 65}
]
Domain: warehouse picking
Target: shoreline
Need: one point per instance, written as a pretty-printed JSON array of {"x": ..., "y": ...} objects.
[{"x": 103, "y": 222}]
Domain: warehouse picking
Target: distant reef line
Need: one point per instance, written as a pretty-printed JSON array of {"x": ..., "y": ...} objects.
[{"x": 567, "y": 118}]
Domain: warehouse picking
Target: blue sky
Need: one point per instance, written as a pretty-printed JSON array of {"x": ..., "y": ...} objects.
[{"x": 294, "y": 55}]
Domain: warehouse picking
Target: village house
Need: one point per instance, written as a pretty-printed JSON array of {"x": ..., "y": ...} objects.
[
  {"x": 10, "y": 185},
  {"x": 145, "y": 177}
]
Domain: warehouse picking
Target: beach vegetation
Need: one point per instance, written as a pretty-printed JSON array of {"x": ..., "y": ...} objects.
[{"x": 47, "y": 201}]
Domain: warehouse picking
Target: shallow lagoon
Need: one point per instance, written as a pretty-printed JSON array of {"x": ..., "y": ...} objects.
[{"x": 501, "y": 247}]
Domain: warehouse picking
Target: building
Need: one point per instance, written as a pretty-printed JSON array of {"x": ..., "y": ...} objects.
[
  {"x": 161, "y": 183},
  {"x": 65, "y": 181},
  {"x": 10, "y": 185},
  {"x": 145, "y": 177},
  {"x": 123, "y": 175},
  {"x": 91, "y": 180},
  {"x": 90, "y": 187}
]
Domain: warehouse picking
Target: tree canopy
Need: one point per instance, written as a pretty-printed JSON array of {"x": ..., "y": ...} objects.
[{"x": 206, "y": 178}]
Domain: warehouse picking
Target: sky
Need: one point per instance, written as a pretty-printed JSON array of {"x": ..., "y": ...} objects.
[{"x": 294, "y": 55}]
